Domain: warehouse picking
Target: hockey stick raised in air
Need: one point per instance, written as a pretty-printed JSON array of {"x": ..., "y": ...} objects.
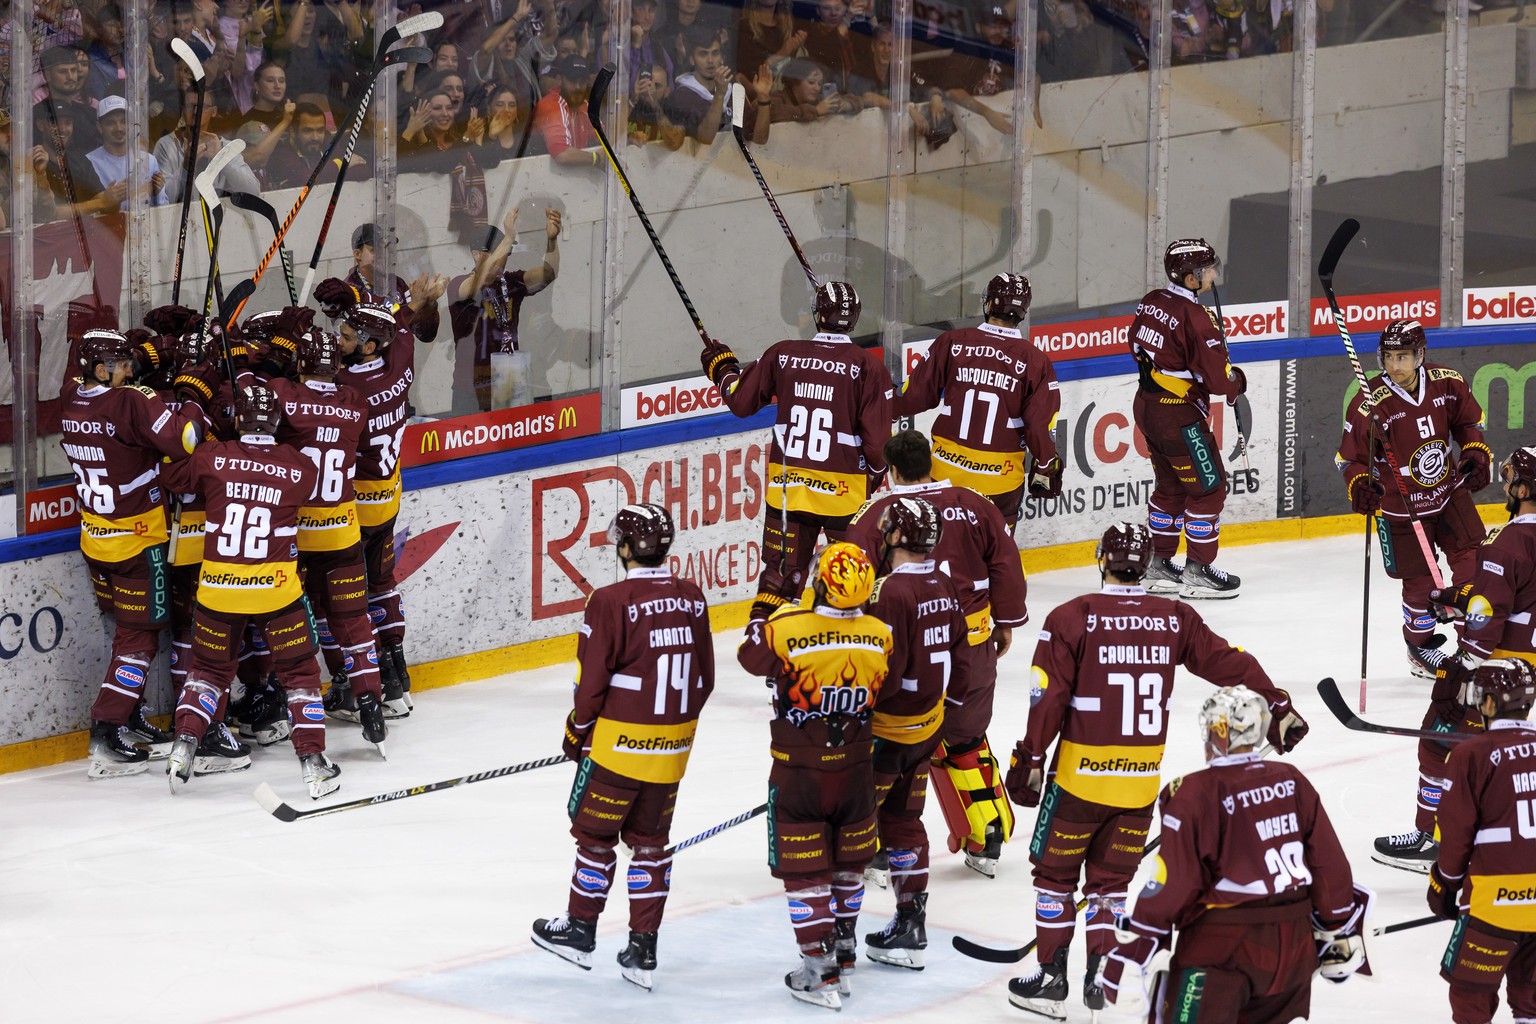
[
  {"x": 993, "y": 955},
  {"x": 738, "y": 105},
  {"x": 1325, "y": 268},
  {"x": 730, "y": 823},
  {"x": 259, "y": 206},
  {"x": 1329, "y": 691},
  {"x": 594, "y": 108},
  {"x": 184, "y": 53},
  {"x": 274, "y": 805}
]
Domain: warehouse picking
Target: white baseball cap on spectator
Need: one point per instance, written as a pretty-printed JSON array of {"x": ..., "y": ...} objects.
[{"x": 111, "y": 105}]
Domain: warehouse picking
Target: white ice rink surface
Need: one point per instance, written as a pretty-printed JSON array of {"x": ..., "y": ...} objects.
[{"x": 121, "y": 903}]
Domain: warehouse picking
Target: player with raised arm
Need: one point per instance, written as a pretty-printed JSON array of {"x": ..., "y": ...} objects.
[
  {"x": 928, "y": 657},
  {"x": 978, "y": 554},
  {"x": 1251, "y": 875},
  {"x": 1420, "y": 408},
  {"x": 115, "y": 435},
  {"x": 1482, "y": 876},
  {"x": 1182, "y": 360},
  {"x": 645, "y": 665},
  {"x": 834, "y": 413},
  {"x": 826, "y": 665},
  {"x": 999, "y": 400},
  {"x": 1101, "y": 682},
  {"x": 253, "y": 488}
]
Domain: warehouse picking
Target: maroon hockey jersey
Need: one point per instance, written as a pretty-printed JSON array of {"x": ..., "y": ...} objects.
[
  {"x": 1487, "y": 823},
  {"x": 921, "y": 606},
  {"x": 324, "y": 422},
  {"x": 1179, "y": 348},
  {"x": 834, "y": 418},
  {"x": 115, "y": 439},
  {"x": 1419, "y": 428},
  {"x": 385, "y": 385},
  {"x": 1102, "y": 679},
  {"x": 1243, "y": 831},
  {"x": 999, "y": 397},
  {"x": 975, "y": 550},
  {"x": 1498, "y": 623},
  {"x": 645, "y": 665}
]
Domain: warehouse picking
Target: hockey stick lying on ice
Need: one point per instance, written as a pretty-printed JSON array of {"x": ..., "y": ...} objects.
[
  {"x": 1402, "y": 926},
  {"x": 1329, "y": 691},
  {"x": 274, "y": 805},
  {"x": 992, "y": 955},
  {"x": 729, "y": 823}
]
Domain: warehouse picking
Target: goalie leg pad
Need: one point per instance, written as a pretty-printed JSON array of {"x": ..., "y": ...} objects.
[{"x": 970, "y": 791}]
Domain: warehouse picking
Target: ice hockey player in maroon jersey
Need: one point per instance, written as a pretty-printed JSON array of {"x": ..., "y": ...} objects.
[
  {"x": 928, "y": 637},
  {"x": 645, "y": 665},
  {"x": 1101, "y": 682},
  {"x": 978, "y": 554},
  {"x": 1251, "y": 876},
  {"x": 999, "y": 400},
  {"x": 115, "y": 435},
  {"x": 254, "y": 488},
  {"x": 826, "y": 665},
  {"x": 1483, "y": 877},
  {"x": 1182, "y": 358},
  {"x": 834, "y": 402}
]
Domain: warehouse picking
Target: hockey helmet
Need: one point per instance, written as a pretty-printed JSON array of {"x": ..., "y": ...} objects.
[
  {"x": 318, "y": 353},
  {"x": 837, "y": 307},
  {"x": 373, "y": 321},
  {"x": 1231, "y": 718},
  {"x": 257, "y": 410},
  {"x": 102, "y": 345},
  {"x": 262, "y": 326},
  {"x": 1511, "y": 682},
  {"x": 1188, "y": 256},
  {"x": 190, "y": 348},
  {"x": 1403, "y": 336},
  {"x": 647, "y": 529},
  {"x": 1125, "y": 549},
  {"x": 916, "y": 521},
  {"x": 1008, "y": 297},
  {"x": 844, "y": 575},
  {"x": 1519, "y": 467}
]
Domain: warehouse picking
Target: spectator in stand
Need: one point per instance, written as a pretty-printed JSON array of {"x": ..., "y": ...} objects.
[
  {"x": 450, "y": 83},
  {"x": 294, "y": 157},
  {"x": 807, "y": 97},
  {"x": 161, "y": 65},
  {"x": 321, "y": 53},
  {"x": 242, "y": 27},
  {"x": 648, "y": 121},
  {"x": 987, "y": 73},
  {"x": 65, "y": 176},
  {"x": 421, "y": 295},
  {"x": 497, "y": 59},
  {"x": 561, "y": 116},
  {"x": 506, "y": 132},
  {"x": 430, "y": 144},
  {"x": 700, "y": 101},
  {"x": 767, "y": 33},
  {"x": 171, "y": 151},
  {"x": 107, "y": 73},
  {"x": 928, "y": 110},
  {"x": 1065, "y": 41},
  {"x": 645, "y": 51},
  {"x": 540, "y": 50},
  {"x": 64, "y": 72},
  {"x": 686, "y": 15},
  {"x": 110, "y": 159},
  {"x": 268, "y": 121},
  {"x": 831, "y": 45}
]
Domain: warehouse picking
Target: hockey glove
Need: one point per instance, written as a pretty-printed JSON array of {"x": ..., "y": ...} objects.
[
  {"x": 1045, "y": 479},
  {"x": 718, "y": 362},
  {"x": 1341, "y": 948},
  {"x": 1365, "y": 494},
  {"x": 774, "y": 591},
  {"x": 1448, "y": 695},
  {"x": 1286, "y": 726},
  {"x": 576, "y": 740},
  {"x": 173, "y": 320},
  {"x": 1241, "y": 380},
  {"x": 1476, "y": 458},
  {"x": 1451, "y": 604},
  {"x": 1441, "y": 895},
  {"x": 200, "y": 382},
  {"x": 150, "y": 351},
  {"x": 336, "y": 296},
  {"x": 1130, "y": 973},
  {"x": 1026, "y": 777}
]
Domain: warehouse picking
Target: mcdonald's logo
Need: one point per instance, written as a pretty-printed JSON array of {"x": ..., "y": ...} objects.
[
  {"x": 431, "y": 441},
  {"x": 567, "y": 417}
]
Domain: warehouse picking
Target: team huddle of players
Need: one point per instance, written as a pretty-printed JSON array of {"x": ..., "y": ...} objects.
[{"x": 243, "y": 491}]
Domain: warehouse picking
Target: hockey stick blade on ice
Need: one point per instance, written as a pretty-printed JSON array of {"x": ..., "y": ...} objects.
[
  {"x": 273, "y": 804},
  {"x": 993, "y": 955},
  {"x": 1329, "y": 691},
  {"x": 738, "y": 107},
  {"x": 730, "y": 823}
]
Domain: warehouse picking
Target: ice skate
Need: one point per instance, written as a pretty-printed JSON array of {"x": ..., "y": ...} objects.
[
  {"x": 1410, "y": 851},
  {"x": 395, "y": 652},
  {"x": 845, "y": 947},
  {"x": 178, "y": 766},
  {"x": 220, "y": 752},
  {"x": 638, "y": 959},
  {"x": 320, "y": 774},
  {"x": 371, "y": 714},
  {"x": 901, "y": 942},
  {"x": 112, "y": 755},
  {"x": 984, "y": 862},
  {"x": 815, "y": 981},
  {"x": 1043, "y": 991},
  {"x": 268, "y": 722},
  {"x": 1425, "y": 661},
  {"x": 1164, "y": 577},
  {"x": 878, "y": 871},
  {"x": 1093, "y": 992},
  {"x": 395, "y": 705},
  {"x": 567, "y": 938},
  {"x": 139, "y": 727},
  {"x": 338, "y": 700},
  {"x": 1202, "y": 582}
]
